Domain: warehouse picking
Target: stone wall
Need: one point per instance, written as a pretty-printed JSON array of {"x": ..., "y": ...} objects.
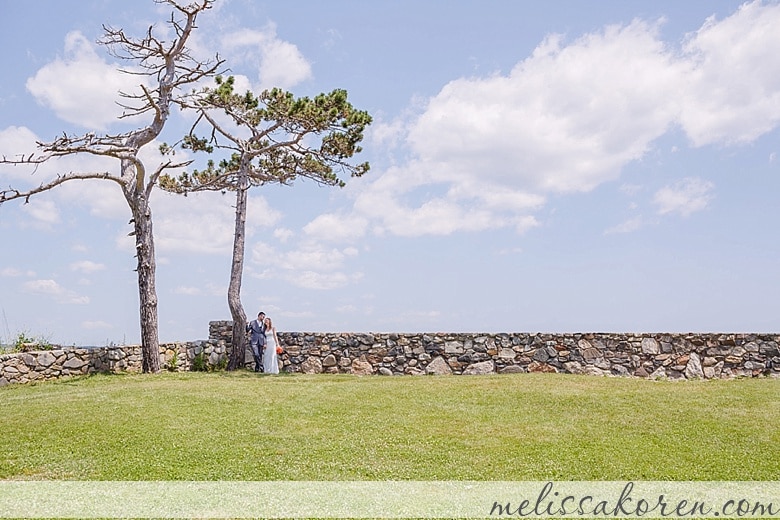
[
  {"x": 44, "y": 365},
  {"x": 672, "y": 356}
]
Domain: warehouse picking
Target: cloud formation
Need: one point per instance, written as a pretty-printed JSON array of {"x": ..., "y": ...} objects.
[
  {"x": 280, "y": 64},
  {"x": 684, "y": 197},
  {"x": 87, "y": 266},
  {"x": 59, "y": 293},
  {"x": 488, "y": 152},
  {"x": 81, "y": 87}
]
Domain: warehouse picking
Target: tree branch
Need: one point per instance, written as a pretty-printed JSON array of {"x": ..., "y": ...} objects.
[{"x": 11, "y": 194}]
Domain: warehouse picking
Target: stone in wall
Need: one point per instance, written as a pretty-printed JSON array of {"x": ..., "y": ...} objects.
[{"x": 438, "y": 367}]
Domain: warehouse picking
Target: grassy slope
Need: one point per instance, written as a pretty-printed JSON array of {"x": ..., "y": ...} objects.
[{"x": 239, "y": 426}]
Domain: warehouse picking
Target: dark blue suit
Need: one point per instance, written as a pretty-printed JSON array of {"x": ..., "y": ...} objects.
[{"x": 256, "y": 331}]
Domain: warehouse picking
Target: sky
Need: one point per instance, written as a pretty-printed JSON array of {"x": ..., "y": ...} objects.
[{"x": 559, "y": 166}]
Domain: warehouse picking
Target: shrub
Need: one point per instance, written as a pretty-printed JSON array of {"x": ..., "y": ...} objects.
[
  {"x": 200, "y": 363},
  {"x": 25, "y": 343},
  {"x": 172, "y": 364}
]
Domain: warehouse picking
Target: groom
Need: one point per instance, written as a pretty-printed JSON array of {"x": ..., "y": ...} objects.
[{"x": 256, "y": 329}]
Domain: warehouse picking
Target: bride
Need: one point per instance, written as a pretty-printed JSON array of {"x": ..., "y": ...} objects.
[{"x": 270, "y": 359}]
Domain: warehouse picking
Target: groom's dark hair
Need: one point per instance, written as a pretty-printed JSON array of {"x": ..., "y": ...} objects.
[{"x": 261, "y": 312}]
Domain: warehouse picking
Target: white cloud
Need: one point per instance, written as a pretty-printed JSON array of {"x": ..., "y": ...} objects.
[
  {"x": 386, "y": 134},
  {"x": 732, "y": 90},
  {"x": 684, "y": 197},
  {"x": 52, "y": 288},
  {"x": 489, "y": 151},
  {"x": 13, "y": 272},
  {"x": 280, "y": 63},
  {"x": 204, "y": 222},
  {"x": 44, "y": 212},
  {"x": 44, "y": 287},
  {"x": 283, "y": 234},
  {"x": 86, "y": 266},
  {"x": 336, "y": 228},
  {"x": 629, "y": 226},
  {"x": 82, "y": 88},
  {"x": 16, "y": 142},
  {"x": 436, "y": 213},
  {"x": 565, "y": 119},
  {"x": 318, "y": 280},
  {"x": 312, "y": 265}
]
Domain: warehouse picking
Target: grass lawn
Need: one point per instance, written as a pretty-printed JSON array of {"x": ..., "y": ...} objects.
[{"x": 241, "y": 426}]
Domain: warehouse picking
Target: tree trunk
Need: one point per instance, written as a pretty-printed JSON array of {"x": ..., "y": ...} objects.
[
  {"x": 238, "y": 352},
  {"x": 147, "y": 290}
]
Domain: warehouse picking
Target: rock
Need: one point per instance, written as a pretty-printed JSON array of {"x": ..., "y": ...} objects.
[
  {"x": 675, "y": 374},
  {"x": 593, "y": 371},
  {"x": 361, "y": 368},
  {"x": 511, "y": 369},
  {"x": 693, "y": 369},
  {"x": 535, "y": 366},
  {"x": 438, "y": 367},
  {"x": 620, "y": 370},
  {"x": 541, "y": 355},
  {"x": 453, "y": 347},
  {"x": 482, "y": 368},
  {"x": 46, "y": 359},
  {"x": 506, "y": 353},
  {"x": 574, "y": 367},
  {"x": 384, "y": 371},
  {"x": 329, "y": 361},
  {"x": 659, "y": 373},
  {"x": 641, "y": 372},
  {"x": 74, "y": 363},
  {"x": 751, "y": 346},
  {"x": 591, "y": 354},
  {"x": 737, "y": 352},
  {"x": 312, "y": 365},
  {"x": 650, "y": 346}
]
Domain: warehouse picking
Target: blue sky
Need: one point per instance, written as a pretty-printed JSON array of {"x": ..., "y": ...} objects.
[{"x": 557, "y": 166}]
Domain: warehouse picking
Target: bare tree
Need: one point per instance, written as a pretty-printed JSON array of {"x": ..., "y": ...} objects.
[
  {"x": 169, "y": 67},
  {"x": 273, "y": 137}
]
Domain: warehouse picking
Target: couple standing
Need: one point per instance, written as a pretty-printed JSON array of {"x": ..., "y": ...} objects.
[{"x": 263, "y": 342}]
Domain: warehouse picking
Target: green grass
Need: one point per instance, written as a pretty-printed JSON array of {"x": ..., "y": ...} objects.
[{"x": 238, "y": 426}]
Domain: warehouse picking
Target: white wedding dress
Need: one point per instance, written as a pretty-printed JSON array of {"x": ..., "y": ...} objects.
[{"x": 270, "y": 359}]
